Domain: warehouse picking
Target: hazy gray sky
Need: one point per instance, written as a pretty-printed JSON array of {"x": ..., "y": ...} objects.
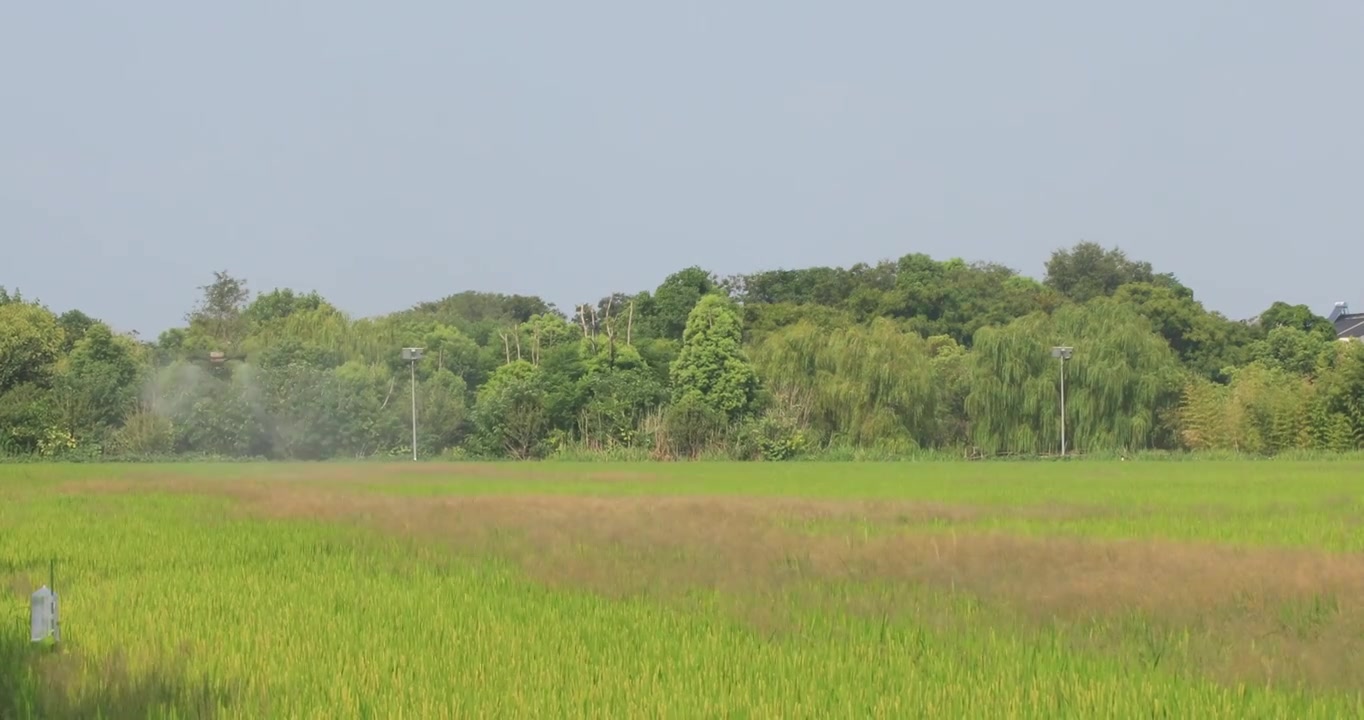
[{"x": 388, "y": 153}]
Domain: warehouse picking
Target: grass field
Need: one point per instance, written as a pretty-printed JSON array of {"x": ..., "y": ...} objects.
[{"x": 1047, "y": 590}]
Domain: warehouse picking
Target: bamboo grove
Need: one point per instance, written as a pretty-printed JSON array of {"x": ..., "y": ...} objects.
[{"x": 907, "y": 356}]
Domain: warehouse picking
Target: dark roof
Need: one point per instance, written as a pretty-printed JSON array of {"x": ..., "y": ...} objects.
[{"x": 1350, "y": 326}]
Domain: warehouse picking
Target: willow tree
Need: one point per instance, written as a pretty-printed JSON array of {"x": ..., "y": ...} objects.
[
  {"x": 865, "y": 384},
  {"x": 380, "y": 340},
  {"x": 324, "y": 327},
  {"x": 1120, "y": 383}
]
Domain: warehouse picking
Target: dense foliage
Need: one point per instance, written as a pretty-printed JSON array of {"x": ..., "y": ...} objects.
[{"x": 902, "y": 356}]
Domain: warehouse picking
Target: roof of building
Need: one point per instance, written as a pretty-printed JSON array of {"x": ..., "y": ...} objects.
[{"x": 1350, "y": 326}]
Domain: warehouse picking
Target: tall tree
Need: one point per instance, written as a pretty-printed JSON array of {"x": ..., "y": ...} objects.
[
  {"x": 1206, "y": 342},
  {"x": 279, "y": 304},
  {"x": 1281, "y": 314},
  {"x": 674, "y": 299},
  {"x": 1293, "y": 350},
  {"x": 510, "y": 415},
  {"x": 1120, "y": 383},
  {"x": 218, "y": 314},
  {"x": 816, "y": 285},
  {"x": 712, "y": 364},
  {"x": 1088, "y": 270},
  {"x": 30, "y": 343},
  {"x": 98, "y": 383},
  {"x": 866, "y": 385},
  {"x": 74, "y": 323},
  {"x": 615, "y": 399}
]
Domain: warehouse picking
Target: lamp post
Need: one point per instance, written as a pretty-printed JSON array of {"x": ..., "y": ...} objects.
[
  {"x": 412, "y": 355},
  {"x": 1063, "y": 354}
]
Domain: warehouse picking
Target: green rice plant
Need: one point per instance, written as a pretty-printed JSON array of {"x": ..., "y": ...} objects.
[{"x": 199, "y": 591}]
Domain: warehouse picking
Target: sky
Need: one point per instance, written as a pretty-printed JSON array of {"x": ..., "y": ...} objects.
[{"x": 387, "y": 154}]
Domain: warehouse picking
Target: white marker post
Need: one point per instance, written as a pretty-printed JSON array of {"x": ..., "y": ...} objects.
[{"x": 44, "y": 620}]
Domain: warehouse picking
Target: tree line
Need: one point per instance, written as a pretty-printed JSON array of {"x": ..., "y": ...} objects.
[{"x": 892, "y": 359}]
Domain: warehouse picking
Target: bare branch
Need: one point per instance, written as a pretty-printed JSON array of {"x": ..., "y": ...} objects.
[{"x": 391, "y": 383}]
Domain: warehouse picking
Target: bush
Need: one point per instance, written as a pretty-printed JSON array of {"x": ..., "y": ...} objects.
[
  {"x": 144, "y": 433},
  {"x": 689, "y": 426},
  {"x": 769, "y": 438}
]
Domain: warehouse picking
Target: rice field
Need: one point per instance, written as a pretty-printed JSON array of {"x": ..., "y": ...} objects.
[{"x": 1046, "y": 590}]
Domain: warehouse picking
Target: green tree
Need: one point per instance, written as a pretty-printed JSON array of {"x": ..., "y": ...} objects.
[
  {"x": 293, "y": 351},
  {"x": 30, "y": 343},
  {"x": 691, "y": 425},
  {"x": 1301, "y": 317},
  {"x": 674, "y": 300},
  {"x": 212, "y": 413},
  {"x": 1121, "y": 381},
  {"x": 373, "y": 413},
  {"x": 866, "y": 385},
  {"x": 302, "y": 403},
  {"x": 762, "y": 320},
  {"x": 1088, "y": 270},
  {"x": 510, "y": 413},
  {"x": 951, "y": 370},
  {"x": 712, "y": 364},
  {"x": 280, "y": 303},
  {"x": 894, "y": 355},
  {"x": 449, "y": 349},
  {"x": 614, "y": 402},
  {"x": 1207, "y": 343},
  {"x": 442, "y": 412},
  {"x": 543, "y": 332},
  {"x": 1277, "y": 409},
  {"x": 811, "y": 286},
  {"x": 1340, "y": 392},
  {"x": 218, "y": 316},
  {"x": 74, "y": 323},
  {"x": 97, "y": 384},
  {"x": 1293, "y": 350},
  {"x": 28, "y": 421},
  {"x": 479, "y": 315}
]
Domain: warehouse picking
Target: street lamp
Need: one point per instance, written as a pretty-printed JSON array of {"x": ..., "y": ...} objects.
[
  {"x": 412, "y": 355},
  {"x": 1063, "y": 354}
]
